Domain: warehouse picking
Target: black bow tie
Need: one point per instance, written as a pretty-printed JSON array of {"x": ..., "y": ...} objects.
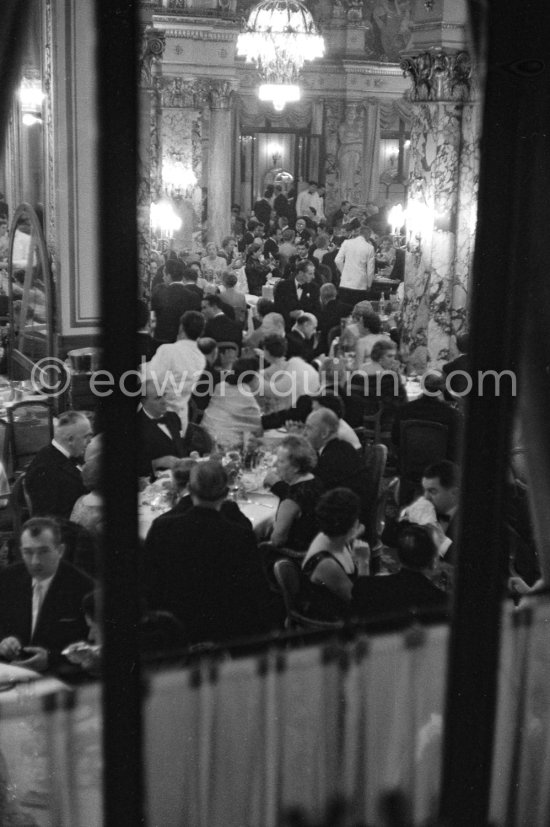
[
  {"x": 162, "y": 420},
  {"x": 78, "y": 461},
  {"x": 443, "y": 518}
]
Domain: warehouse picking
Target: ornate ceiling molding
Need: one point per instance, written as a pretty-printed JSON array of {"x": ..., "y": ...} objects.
[
  {"x": 153, "y": 44},
  {"x": 202, "y": 34},
  {"x": 195, "y": 93},
  {"x": 439, "y": 76}
]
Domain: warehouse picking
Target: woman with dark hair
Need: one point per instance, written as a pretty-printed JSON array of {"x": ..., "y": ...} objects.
[
  {"x": 331, "y": 564},
  {"x": 295, "y": 523},
  {"x": 233, "y": 410}
]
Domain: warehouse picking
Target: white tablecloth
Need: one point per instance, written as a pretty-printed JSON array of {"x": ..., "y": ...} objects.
[{"x": 259, "y": 506}]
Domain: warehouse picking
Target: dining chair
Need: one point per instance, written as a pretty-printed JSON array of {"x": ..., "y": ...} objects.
[
  {"x": 421, "y": 443},
  {"x": 31, "y": 428},
  {"x": 289, "y": 578},
  {"x": 19, "y": 506}
]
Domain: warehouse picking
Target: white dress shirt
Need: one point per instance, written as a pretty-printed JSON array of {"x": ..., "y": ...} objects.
[
  {"x": 39, "y": 591},
  {"x": 355, "y": 260}
]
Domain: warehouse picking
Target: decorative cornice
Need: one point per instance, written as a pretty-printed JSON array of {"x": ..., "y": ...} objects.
[
  {"x": 201, "y": 34},
  {"x": 363, "y": 68},
  {"x": 439, "y": 76},
  {"x": 153, "y": 44},
  {"x": 195, "y": 93}
]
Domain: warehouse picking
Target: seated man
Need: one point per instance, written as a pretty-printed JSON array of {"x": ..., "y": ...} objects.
[
  {"x": 410, "y": 588},
  {"x": 204, "y": 568},
  {"x": 441, "y": 486},
  {"x": 181, "y": 474},
  {"x": 338, "y": 462},
  {"x": 301, "y": 338},
  {"x": 53, "y": 480},
  {"x": 159, "y": 431},
  {"x": 41, "y": 600},
  {"x": 218, "y": 325}
]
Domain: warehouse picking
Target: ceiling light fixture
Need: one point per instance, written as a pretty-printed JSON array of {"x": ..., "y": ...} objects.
[{"x": 279, "y": 36}]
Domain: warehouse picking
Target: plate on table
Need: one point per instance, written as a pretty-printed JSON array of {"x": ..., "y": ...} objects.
[{"x": 282, "y": 431}]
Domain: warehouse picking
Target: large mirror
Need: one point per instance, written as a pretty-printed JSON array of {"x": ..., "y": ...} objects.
[{"x": 31, "y": 295}]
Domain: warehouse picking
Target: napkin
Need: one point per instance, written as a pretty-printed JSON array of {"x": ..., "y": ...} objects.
[{"x": 421, "y": 512}]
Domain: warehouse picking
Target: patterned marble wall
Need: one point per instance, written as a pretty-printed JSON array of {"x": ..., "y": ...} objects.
[
  {"x": 181, "y": 138},
  {"x": 443, "y": 186}
]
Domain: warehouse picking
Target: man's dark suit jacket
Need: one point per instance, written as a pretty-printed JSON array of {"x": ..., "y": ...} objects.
[
  {"x": 329, "y": 317},
  {"x": 430, "y": 409},
  {"x": 207, "y": 572},
  {"x": 399, "y": 592},
  {"x": 53, "y": 483},
  {"x": 223, "y": 329},
  {"x": 286, "y": 299},
  {"x": 298, "y": 345},
  {"x": 170, "y": 302},
  {"x": 154, "y": 443},
  {"x": 61, "y": 620},
  {"x": 229, "y": 510}
]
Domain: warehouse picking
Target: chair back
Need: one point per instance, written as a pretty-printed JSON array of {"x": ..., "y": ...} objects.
[
  {"x": 20, "y": 505},
  {"x": 376, "y": 457},
  {"x": 31, "y": 428},
  {"x": 421, "y": 444},
  {"x": 288, "y": 577}
]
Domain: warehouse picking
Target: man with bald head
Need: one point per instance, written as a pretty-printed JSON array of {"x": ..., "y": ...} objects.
[
  {"x": 54, "y": 479},
  {"x": 159, "y": 430},
  {"x": 338, "y": 464},
  {"x": 205, "y": 569}
]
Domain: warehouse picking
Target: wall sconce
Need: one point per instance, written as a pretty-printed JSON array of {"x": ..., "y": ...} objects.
[
  {"x": 276, "y": 151},
  {"x": 178, "y": 180},
  {"x": 419, "y": 223},
  {"x": 164, "y": 218},
  {"x": 396, "y": 219},
  {"x": 31, "y": 98}
]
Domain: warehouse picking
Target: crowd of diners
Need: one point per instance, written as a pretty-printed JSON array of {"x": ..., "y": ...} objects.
[{"x": 220, "y": 369}]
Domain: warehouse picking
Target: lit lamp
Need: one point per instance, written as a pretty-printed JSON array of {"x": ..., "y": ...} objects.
[
  {"x": 164, "y": 218},
  {"x": 396, "y": 218},
  {"x": 31, "y": 97},
  {"x": 419, "y": 222},
  {"x": 279, "y": 36},
  {"x": 178, "y": 180}
]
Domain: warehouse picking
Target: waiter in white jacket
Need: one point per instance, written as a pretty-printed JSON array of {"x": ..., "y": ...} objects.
[{"x": 355, "y": 260}]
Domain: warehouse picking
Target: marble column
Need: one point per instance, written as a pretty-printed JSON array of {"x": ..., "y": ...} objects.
[
  {"x": 441, "y": 205},
  {"x": 153, "y": 43},
  {"x": 219, "y": 162}
]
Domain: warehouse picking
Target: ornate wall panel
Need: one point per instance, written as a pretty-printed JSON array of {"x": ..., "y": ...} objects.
[{"x": 75, "y": 167}]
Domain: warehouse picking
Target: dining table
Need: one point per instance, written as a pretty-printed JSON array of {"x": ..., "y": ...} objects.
[{"x": 256, "y": 503}]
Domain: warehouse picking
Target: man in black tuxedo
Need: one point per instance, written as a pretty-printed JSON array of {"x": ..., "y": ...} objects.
[
  {"x": 339, "y": 464},
  {"x": 301, "y": 338},
  {"x": 205, "y": 569},
  {"x": 410, "y": 588},
  {"x": 330, "y": 315},
  {"x": 171, "y": 300},
  {"x": 53, "y": 480},
  {"x": 297, "y": 294},
  {"x": 441, "y": 486},
  {"x": 218, "y": 325},
  {"x": 159, "y": 438},
  {"x": 181, "y": 473},
  {"x": 41, "y": 600}
]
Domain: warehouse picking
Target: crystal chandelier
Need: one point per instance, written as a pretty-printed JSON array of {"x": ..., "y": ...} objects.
[{"x": 279, "y": 36}]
